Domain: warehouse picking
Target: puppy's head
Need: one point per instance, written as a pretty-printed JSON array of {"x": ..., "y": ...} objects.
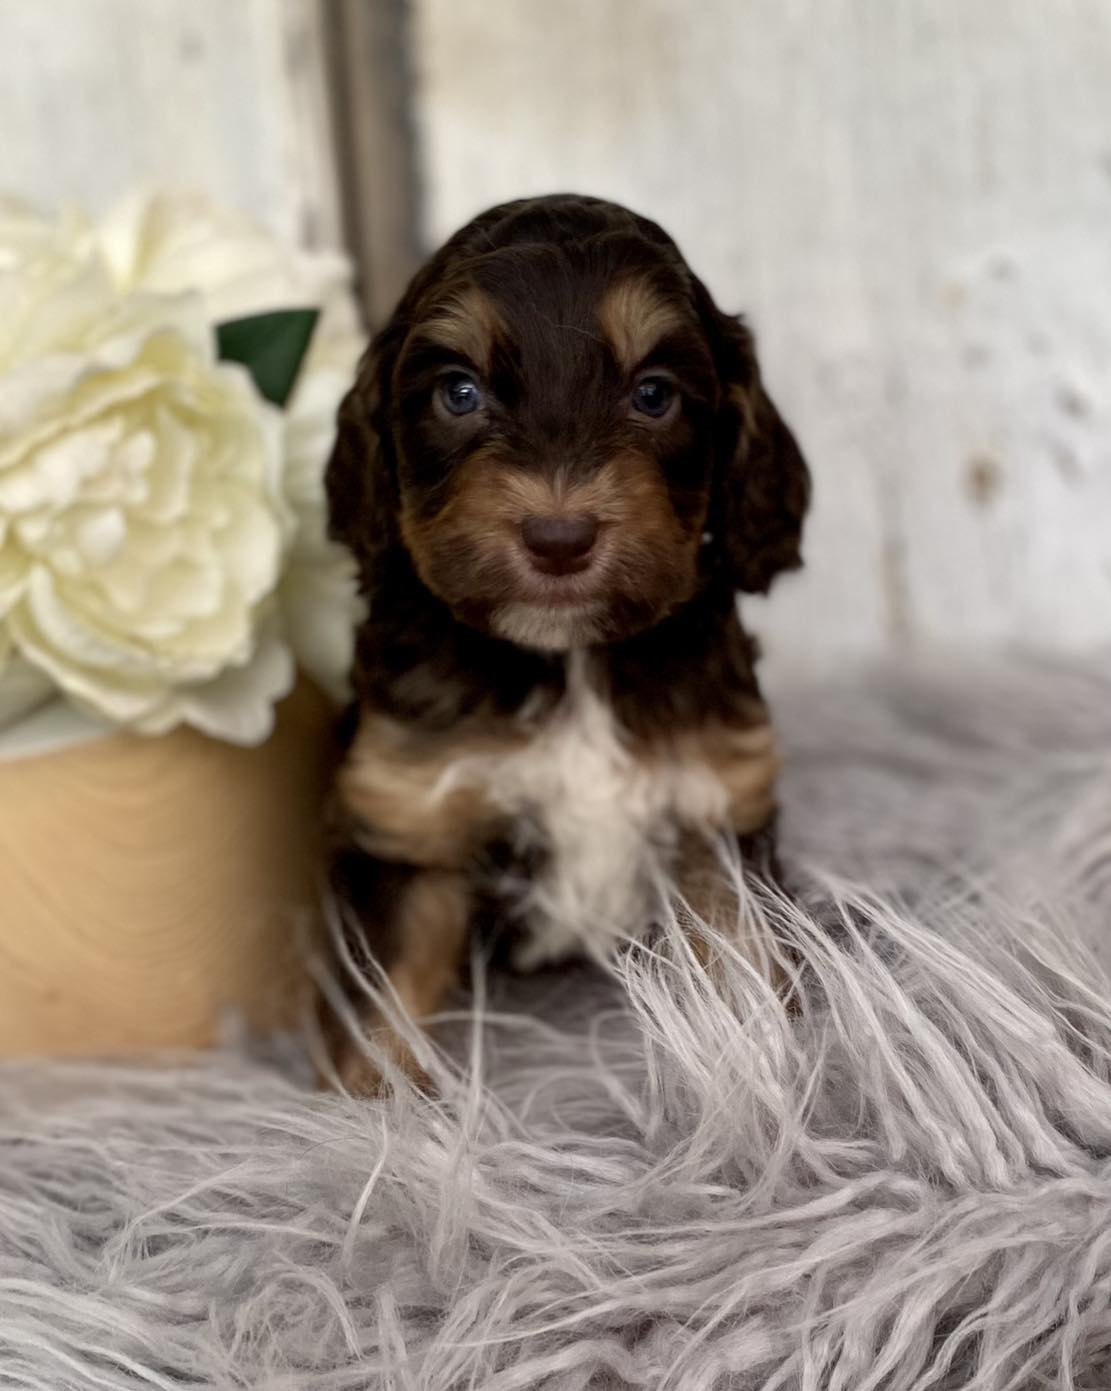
[{"x": 562, "y": 434}]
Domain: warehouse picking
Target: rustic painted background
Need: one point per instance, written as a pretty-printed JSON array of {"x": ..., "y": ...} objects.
[{"x": 911, "y": 200}]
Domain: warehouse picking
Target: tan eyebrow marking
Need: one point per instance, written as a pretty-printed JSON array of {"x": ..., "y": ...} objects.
[
  {"x": 635, "y": 317},
  {"x": 467, "y": 323}
]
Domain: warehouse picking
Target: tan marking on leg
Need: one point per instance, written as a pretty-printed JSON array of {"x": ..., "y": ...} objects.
[
  {"x": 709, "y": 900},
  {"x": 429, "y": 932},
  {"x": 743, "y": 761},
  {"x": 410, "y": 795},
  {"x": 747, "y": 762}
]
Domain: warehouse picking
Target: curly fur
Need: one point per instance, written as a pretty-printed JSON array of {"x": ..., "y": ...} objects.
[
  {"x": 657, "y": 1179},
  {"x": 621, "y": 662}
]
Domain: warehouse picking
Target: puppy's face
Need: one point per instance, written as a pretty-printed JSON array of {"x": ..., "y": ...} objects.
[
  {"x": 556, "y": 407},
  {"x": 555, "y": 445}
]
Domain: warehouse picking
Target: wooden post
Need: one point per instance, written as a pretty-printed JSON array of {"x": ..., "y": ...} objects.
[{"x": 375, "y": 145}]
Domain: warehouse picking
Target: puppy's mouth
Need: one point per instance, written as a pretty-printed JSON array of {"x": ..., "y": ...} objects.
[
  {"x": 550, "y": 626},
  {"x": 561, "y": 591},
  {"x": 552, "y": 607},
  {"x": 558, "y": 593}
]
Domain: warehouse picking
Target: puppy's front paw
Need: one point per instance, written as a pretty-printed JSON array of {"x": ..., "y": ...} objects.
[
  {"x": 361, "y": 1074},
  {"x": 537, "y": 947}
]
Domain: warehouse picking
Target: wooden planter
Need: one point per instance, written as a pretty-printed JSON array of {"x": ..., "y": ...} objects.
[{"x": 149, "y": 886}]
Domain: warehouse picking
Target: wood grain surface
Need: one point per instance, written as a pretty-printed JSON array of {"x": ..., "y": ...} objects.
[{"x": 152, "y": 886}]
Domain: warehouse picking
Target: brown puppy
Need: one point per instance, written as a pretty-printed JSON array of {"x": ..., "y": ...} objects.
[{"x": 555, "y": 470}]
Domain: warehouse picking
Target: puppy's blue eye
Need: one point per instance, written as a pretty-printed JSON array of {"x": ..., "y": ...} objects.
[
  {"x": 653, "y": 396},
  {"x": 460, "y": 394}
]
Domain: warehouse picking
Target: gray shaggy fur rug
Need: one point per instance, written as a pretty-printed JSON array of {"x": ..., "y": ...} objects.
[{"x": 648, "y": 1180}]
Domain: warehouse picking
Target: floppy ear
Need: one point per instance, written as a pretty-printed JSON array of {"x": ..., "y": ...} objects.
[
  {"x": 762, "y": 487},
  {"x": 360, "y": 479}
]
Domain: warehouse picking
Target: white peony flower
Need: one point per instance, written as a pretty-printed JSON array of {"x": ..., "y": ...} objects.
[
  {"x": 54, "y": 292},
  {"x": 140, "y": 490},
  {"x": 163, "y": 556},
  {"x": 168, "y": 243}
]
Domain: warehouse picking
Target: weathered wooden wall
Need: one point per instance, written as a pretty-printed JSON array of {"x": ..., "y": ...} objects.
[
  {"x": 229, "y": 96},
  {"x": 912, "y": 200}
]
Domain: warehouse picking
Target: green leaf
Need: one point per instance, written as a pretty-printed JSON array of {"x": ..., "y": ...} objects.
[{"x": 270, "y": 346}]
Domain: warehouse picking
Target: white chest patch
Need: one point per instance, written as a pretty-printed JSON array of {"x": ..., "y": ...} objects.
[{"x": 608, "y": 822}]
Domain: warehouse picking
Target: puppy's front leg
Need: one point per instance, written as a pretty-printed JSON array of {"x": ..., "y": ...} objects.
[
  {"x": 746, "y": 764},
  {"x": 419, "y": 918},
  {"x": 709, "y": 899},
  {"x": 407, "y": 827}
]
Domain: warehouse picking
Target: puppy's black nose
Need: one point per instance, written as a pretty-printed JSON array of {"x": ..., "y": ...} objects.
[{"x": 559, "y": 545}]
